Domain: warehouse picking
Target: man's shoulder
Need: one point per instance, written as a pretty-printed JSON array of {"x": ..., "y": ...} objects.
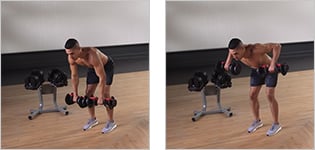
[
  {"x": 258, "y": 46},
  {"x": 88, "y": 48},
  {"x": 71, "y": 61}
]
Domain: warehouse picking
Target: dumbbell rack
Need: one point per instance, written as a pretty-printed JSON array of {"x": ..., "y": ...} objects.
[
  {"x": 209, "y": 90},
  {"x": 47, "y": 89}
]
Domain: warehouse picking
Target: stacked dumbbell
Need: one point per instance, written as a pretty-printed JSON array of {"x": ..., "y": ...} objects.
[
  {"x": 84, "y": 101},
  {"x": 57, "y": 78},
  {"x": 198, "y": 81},
  {"x": 280, "y": 68},
  {"x": 36, "y": 78}
]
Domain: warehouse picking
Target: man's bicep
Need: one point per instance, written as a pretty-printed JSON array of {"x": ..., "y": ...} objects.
[
  {"x": 100, "y": 71},
  {"x": 98, "y": 65}
]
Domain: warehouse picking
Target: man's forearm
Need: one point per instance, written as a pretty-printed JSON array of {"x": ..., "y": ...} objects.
[
  {"x": 75, "y": 84},
  {"x": 275, "y": 53},
  {"x": 102, "y": 90},
  {"x": 228, "y": 61}
]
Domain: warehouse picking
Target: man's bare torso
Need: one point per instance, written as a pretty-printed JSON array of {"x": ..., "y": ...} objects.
[
  {"x": 257, "y": 56},
  {"x": 90, "y": 54}
]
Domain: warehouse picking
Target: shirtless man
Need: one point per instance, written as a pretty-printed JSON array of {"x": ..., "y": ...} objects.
[
  {"x": 254, "y": 56},
  {"x": 100, "y": 72}
]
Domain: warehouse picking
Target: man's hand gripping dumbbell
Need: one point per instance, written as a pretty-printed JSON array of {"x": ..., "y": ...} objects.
[{"x": 279, "y": 68}]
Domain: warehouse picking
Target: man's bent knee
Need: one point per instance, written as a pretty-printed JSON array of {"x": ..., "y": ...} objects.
[
  {"x": 253, "y": 97},
  {"x": 270, "y": 93},
  {"x": 270, "y": 97},
  {"x": 90, "y": 89}
]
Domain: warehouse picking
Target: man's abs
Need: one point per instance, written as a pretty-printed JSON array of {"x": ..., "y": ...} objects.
[{"x": 255, "y": 61}]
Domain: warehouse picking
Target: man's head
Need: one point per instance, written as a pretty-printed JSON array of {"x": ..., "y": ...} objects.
[
  {"x": 72, "y": 48},
  {"x": 236, "y": 48}
]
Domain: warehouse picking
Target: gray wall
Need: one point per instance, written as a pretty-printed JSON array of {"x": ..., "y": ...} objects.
[
  {"x": 45, "y": 25},
  {"x": 192, "y": 25}
]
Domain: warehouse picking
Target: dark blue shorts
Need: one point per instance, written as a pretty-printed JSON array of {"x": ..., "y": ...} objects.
[
  {"x": 92, "y": 78},
  {"x": 270, "y": 79}
]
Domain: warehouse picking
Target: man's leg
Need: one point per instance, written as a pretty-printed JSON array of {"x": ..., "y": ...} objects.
[
  {"x": 110, "y": 124},
  {"x": 109, "y": 70},
  {"x": 254, "y": 103},
  {"x": 89, "y": 91},
  {"x": 110, "y": 112},
  {"x": 273, "y": 104},
  {"x": 271, "y": 83}
]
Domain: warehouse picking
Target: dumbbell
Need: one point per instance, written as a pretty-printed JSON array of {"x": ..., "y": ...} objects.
[
  {"x": 198, "y": 81},
  {"x": 87, "y": 101},
  {"x": 34, "y": 80},
  {"x": 221, "y": 79},
  {"x": 282, "y": 68},
  {"x": 107, "y": 102},
  {"x": 234, "y": 68},
  {"x": 57, "y": 78},
  {"x": 81, "y": 101}
]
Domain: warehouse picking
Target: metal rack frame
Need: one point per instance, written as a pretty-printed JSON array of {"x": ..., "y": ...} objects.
[
  {"x": 47, "y": 89},
  {"x": 208, "y": 91}
]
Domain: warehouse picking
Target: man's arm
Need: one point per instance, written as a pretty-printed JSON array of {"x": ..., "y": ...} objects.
[
  {"x": 74, "y": 77},
  {"x": 228, "y": 61},
  {"x": 100, "y": 72},
  {"x": 275, "y": 48}
]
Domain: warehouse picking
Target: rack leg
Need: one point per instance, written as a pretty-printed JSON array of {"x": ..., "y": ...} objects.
[
  {"x": 33, "y": 114},
  {"x": 62, "y": 109},
  {"x": 47, "y": 89}
]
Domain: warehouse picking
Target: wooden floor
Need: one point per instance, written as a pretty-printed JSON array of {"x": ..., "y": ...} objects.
[
  {"x": 296, "y": 103},
  {"x": 55, "y": 130}
]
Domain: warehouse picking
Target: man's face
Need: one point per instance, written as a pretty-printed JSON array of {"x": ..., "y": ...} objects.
[
  {"x": 73, "y": 52},
  {"x": 238, "y": 52}
]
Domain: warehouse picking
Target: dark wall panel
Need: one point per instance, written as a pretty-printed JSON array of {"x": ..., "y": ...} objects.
[
  {"x": 15, "y": 67},
  {"x": 181, "y": 65}
]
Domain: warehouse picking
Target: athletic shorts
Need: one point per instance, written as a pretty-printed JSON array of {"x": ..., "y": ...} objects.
[
  {"x": 92, "y": 78},
  {"x": 270, "y": 79}
]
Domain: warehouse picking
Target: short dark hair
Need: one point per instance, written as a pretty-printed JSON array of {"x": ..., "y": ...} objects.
[
  {"x": 70, "y": 43},
  {"x": 235, "y": 42}
]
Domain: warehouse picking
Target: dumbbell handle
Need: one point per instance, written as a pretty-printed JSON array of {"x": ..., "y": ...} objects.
[
  {"x": 107, "y": 102},
  {"x": 234, "y": 68},
  {"x": 90, "y": 101},
  {"x": 91, "y": 98},
  {"x": 96, "y": 99},
  {"x": 278, "y": 68},
  {"x": 78, "y": 97}
]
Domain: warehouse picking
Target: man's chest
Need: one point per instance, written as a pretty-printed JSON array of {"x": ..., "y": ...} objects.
[{"x": 83, "y": 62}]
